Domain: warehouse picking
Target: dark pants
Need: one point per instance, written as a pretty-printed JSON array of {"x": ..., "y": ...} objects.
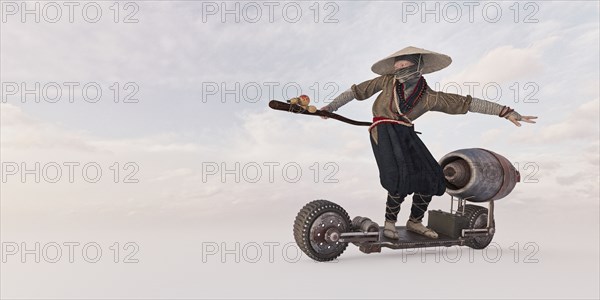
[{"x": 405, "y": 167}]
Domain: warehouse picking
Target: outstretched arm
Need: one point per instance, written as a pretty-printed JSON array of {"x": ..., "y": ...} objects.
[
  {"x": 339, "y": 101},
  {"x": 490, "y": 108},
  {"x": 360, "y": 91}
]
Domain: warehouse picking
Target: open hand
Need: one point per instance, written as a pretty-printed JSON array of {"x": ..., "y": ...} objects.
[{"x": 515, "y": 119}]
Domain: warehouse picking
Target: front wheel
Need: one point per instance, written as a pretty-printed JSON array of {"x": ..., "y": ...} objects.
[{"x": 318, "y": 227}]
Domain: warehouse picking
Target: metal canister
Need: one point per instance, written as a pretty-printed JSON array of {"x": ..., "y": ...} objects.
[{"x": 478, "y": 175}]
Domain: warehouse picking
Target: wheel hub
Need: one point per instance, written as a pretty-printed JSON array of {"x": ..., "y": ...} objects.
[{"x": 325, "y": 232}]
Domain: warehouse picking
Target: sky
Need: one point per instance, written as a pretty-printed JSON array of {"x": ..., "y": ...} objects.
[{"x": 147, "y": 122}]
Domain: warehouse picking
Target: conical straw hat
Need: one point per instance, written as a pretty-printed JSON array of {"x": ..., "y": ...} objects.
[{"x": 432, "y": 61}]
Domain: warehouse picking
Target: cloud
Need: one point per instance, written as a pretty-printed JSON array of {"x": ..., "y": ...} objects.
[
  {"x": 506, "y": 63},
  {"x": 172, "y": 174},
  {"x": 23, "y": 132},
  {"x": 20, "y": 131},
  {"x": 579, "y": 124},
  {"x": 569, "y": 180}
]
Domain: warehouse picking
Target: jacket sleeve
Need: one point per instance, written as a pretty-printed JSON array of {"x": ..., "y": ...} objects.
[
  {"x": 448, "y": 103},
  {"x": 368, "y": 88}
]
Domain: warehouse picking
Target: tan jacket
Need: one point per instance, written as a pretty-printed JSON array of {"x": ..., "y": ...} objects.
[{"x": 430, "y": 100}]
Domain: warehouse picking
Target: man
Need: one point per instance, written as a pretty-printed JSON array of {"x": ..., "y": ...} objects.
[{"x": 405, "y": 164}]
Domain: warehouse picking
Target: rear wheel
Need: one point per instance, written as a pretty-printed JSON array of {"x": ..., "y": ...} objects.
[
  {"x": 477, "y": 217},
  {"x": 318, "y": 227}
]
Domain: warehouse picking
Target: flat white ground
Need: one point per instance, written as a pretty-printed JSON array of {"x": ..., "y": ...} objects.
[{"x": 532, "y": 256}]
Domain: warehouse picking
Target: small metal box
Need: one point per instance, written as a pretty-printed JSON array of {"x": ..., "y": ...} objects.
[{"x": 446, "y": 223}]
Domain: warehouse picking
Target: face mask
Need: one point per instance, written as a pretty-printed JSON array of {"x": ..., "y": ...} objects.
[{"x": 407, "y": 73}]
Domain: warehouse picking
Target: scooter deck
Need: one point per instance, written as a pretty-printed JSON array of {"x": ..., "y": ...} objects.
[{"x": 408, "y": 240}]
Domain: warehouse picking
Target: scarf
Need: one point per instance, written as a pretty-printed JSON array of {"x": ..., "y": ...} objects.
[{"x": 404, "y": 106}]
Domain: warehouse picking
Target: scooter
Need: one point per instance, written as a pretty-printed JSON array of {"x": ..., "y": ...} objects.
[{"x": 323, "y": 229}]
